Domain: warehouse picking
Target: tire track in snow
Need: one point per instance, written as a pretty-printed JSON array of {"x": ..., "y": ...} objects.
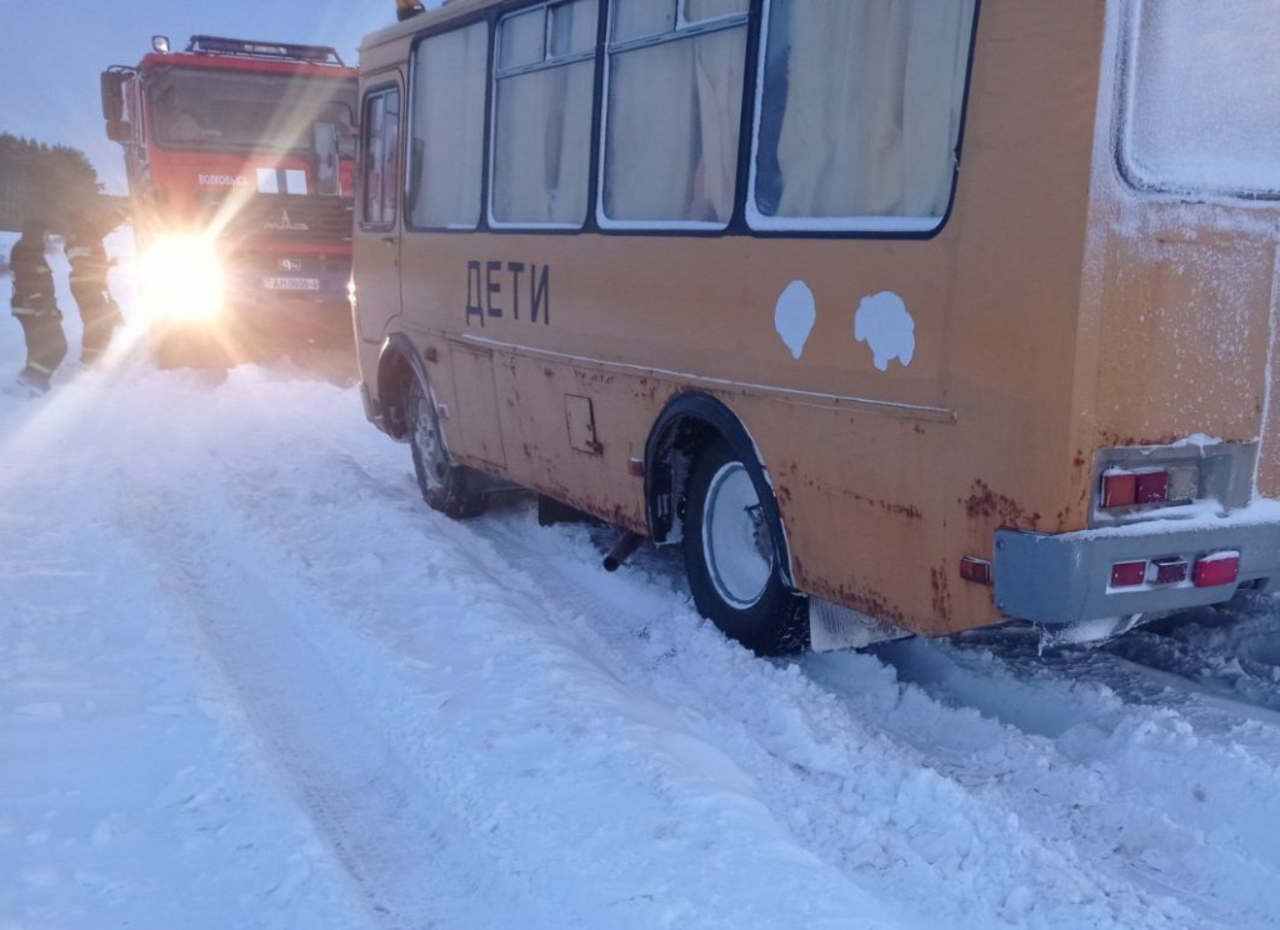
[{"x": 375, "y": 814}]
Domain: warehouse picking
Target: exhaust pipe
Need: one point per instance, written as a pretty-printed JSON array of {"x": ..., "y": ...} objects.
[{"x": 624, "y": 550}]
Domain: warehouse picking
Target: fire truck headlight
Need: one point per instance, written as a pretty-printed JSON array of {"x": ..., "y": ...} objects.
[{"x": 182, "y": 279}]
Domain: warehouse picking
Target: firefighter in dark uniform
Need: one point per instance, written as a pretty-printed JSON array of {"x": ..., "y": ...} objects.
[
  {"x": 36, "y": 308},
  {"x": 89, "y": 265}
]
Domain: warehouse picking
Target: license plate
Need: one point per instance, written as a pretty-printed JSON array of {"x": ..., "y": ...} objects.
[{"x": 291, "y": 284}]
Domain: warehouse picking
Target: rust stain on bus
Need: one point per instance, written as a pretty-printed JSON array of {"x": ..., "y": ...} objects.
[
  {"x": 941, "y": 592},
  {"x": 894, "y": 508},
  {"x": 860, "y": 598},
  {"x": 984, "y": 503}
]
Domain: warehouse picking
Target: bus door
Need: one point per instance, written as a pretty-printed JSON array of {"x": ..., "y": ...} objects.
[{"x": 377, "y": 245}]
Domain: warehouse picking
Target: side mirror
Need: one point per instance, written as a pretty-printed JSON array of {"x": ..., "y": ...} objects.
[
  {"x": 112, "y": 96},
  {"x": 328, "y": 181},
  {"x": 119, "y": 130}
]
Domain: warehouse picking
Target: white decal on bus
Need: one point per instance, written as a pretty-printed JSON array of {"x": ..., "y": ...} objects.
[
  {"x": 795, "y": 316},
  {"x": 882, "y": 321}
]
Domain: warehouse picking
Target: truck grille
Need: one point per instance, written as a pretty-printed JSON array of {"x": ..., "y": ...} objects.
[{"x": 282, "y": 218}]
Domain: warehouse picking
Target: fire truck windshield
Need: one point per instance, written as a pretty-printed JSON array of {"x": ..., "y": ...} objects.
[{"x": 197, "y": 108}]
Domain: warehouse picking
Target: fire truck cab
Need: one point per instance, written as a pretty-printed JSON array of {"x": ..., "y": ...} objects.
[{"x": 240, "y": 161}]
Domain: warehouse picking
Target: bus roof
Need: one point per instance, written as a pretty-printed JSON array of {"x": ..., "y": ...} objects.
[{"x": 452, "y": 9}]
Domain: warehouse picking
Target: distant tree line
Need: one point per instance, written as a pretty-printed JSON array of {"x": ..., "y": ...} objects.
[{"x": 40, "y": 181}]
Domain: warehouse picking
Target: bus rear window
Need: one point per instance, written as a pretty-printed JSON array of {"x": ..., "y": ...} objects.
[{"x": 1203, "y": 98}]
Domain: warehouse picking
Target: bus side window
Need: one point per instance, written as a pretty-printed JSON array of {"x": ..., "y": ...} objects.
[
  {"x": 381, "y": 145},
  {"x": 451, "y": 72},
  {"x": 544, "y": 81},
  {"x": 676, "y": 70},
  {"x": 860, "y": 108}
]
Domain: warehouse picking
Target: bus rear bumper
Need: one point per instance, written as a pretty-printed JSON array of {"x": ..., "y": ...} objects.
[{"x": 1066, "y": 578}]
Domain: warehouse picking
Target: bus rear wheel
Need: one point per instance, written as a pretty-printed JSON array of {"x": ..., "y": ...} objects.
[
  {"x": 451, "y": 489},
  {"x": 734, "y": 554}
]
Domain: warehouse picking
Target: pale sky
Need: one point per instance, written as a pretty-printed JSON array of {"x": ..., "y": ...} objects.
[{"x": 51, "y": 52}]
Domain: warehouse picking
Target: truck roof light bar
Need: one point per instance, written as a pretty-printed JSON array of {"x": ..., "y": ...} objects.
[
  {"x": 407, "y": 9},
  {"x": 277, "y": 51}
]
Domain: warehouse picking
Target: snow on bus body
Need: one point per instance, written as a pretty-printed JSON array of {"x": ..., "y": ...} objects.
[{"x": 1180, "y": 302}]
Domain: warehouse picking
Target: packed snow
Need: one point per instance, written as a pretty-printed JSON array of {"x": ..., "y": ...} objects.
[{"x": 247, "y": 679}]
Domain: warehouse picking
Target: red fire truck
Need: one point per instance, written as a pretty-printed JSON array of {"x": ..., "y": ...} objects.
[{"x": 240, "y": 159}]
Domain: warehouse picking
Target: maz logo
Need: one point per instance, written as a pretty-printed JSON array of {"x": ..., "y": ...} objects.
[
  {"x": 290, "y": 264},
  {"x": 287, "y": 224}
]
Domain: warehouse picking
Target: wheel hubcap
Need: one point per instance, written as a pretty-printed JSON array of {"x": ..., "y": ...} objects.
[
  {"x": 735, "y": 537},
  {"x": 426, "y": 437}
]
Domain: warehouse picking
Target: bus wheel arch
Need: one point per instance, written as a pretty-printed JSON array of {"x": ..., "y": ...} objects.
[
  {"x": 397, "y": 364},
  {"x": 690, "y": 423},
  {"x": 697, "y": 446},
  {"x": 411, "y": 414}
]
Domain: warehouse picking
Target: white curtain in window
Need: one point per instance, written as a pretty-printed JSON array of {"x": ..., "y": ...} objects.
[
  {"x": 391, "y": 176},
  {"x": 374, "y": 158},
  {"x": 674, "y": 111},
  {"x": 451, "y": 74},
  {"x": 697, "y": 10},
  {"x": 634, "y": 18},
  {"x": 542, "y": 145},
  {"x": 871, "y": 95},
  {"x": 572, "y": 28},
  {"x": 521, "y": 39}
]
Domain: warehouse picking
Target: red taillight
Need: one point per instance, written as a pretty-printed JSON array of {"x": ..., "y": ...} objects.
[
  {"x": 1169, "y": 571},
  {"x": 1152, "y": 487},
  {"x": 1128, "y": 574},
  {"x": 1217, "y": 569},
  {"x": 1119, "y": 489},
  {"x": 1127, "y": 488},
  {"x": 976, "y": 570}
]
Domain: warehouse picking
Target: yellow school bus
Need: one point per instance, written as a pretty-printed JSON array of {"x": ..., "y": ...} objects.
[{"x": 899, "y": 316}]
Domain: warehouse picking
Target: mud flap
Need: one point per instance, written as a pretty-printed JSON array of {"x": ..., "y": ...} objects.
[{"x": 834, "y": 627}]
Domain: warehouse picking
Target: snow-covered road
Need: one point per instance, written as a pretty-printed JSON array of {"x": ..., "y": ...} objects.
[{"x": 247, "y": 679}]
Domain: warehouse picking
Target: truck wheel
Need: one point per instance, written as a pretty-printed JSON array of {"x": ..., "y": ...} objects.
[
  {"x": 446, "y": 487},
  {"x": 734, "y": 551}
]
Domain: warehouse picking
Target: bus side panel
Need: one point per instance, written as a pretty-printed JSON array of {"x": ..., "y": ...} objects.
[
  {"x": 887, "y": 470},
  {"x": 864, "y": 513},
  {"x": 598, "y": 479}
]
